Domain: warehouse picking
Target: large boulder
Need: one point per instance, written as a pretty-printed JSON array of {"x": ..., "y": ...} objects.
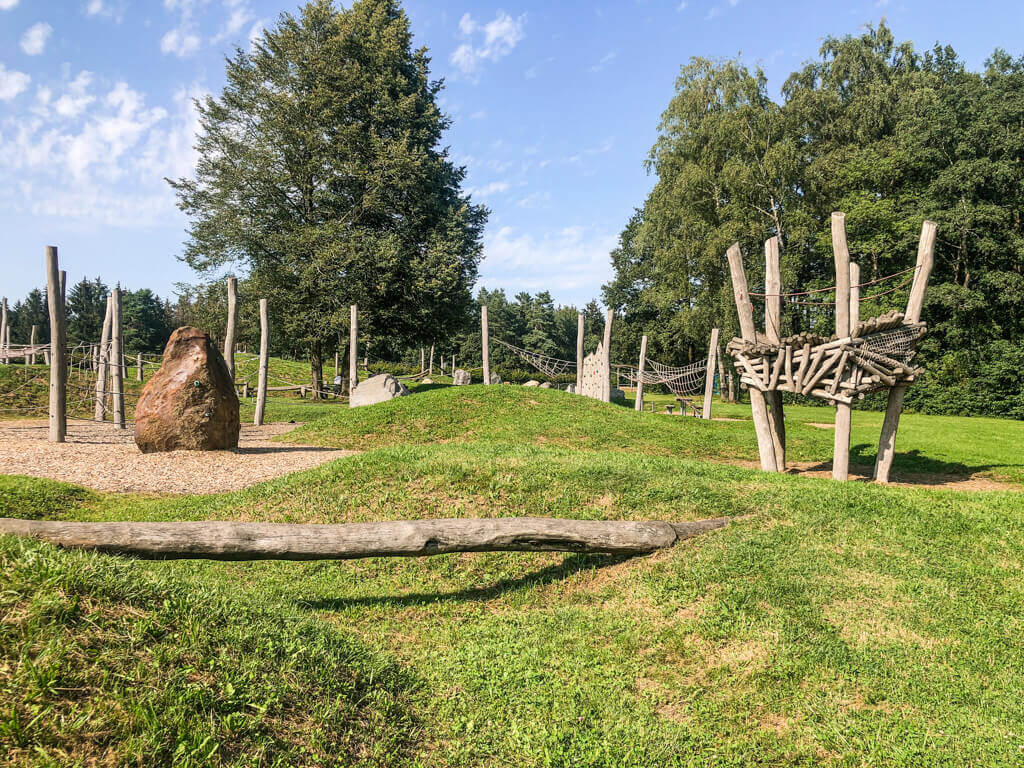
[
  {"x": 190, "y": 403},
  {"x": 546, "y": 385},
  {"x": 532, "y": 383},
  {"x": 461, "y": 378},
  {"x": 495, "y": 378},
  {"x": 571, "y": 389},
  {"x": 376, "y": 390}
]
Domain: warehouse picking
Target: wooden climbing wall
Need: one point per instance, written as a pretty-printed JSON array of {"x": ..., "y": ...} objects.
[{"x": 596, "y": 382}]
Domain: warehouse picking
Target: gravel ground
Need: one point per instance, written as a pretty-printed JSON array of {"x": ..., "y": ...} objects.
[{"x": 105, "y": 458}]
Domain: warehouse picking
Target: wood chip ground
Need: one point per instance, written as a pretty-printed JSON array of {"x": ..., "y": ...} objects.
[{"x": 104, "y": 458}]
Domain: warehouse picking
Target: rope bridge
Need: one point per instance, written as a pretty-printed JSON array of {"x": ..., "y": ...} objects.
[
  {"x": 680, "y": 380},
  {"x": 551, "y": 366}
]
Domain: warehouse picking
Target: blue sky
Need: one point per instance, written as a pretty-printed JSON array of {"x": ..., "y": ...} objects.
[{"x": 555, "y": 107}]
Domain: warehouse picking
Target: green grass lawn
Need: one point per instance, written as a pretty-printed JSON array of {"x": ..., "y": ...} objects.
[{"x": 829, "y": 624}]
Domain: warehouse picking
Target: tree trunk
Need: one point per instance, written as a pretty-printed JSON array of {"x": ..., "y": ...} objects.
[{"x": 214, "y": 540}]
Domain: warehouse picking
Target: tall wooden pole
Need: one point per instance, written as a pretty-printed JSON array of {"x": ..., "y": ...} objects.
[
  {"x": 485, "y": 344},
  {"x": 639, "y": 405},
  {"x": 709, "y": 375},
  {"x": 608, "y": 318},
  {"x": 772, "y": 326},
  {"x": 579, "y": 353},
  {"x": 103, "y": 366},
  {"x": 353, "y": 350},
  {"x": 722, "y": 389},
  {"x": 117, "y": 372},
  {"x": 337, "y": 361},
  {"x": 3, "y": 328},
  {"x": 261, "y": 392},
  {"x": 887, "y": 440},
  {"x": 229, "y": 334},
  {"x": 431, "y": 369},
  {"x": 138, "y": 367},
  {"x": 758, "y": 408},
  {"x": 423, "y": 360},
  {"x": 32, "y": 344},
  {"x": 58, "y": 361},
  {"x": 844, "y": 413}
]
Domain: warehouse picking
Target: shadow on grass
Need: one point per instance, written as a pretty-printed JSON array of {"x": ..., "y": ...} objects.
[
  {"x": 571, "y": 564},
  {"x": 918, "y": 463}
]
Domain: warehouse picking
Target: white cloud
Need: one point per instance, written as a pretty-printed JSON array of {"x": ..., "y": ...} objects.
[
  {"x": 607, "y": 59},
  {"x": 488, "y": 42},
  {"x": 34, "y": 40},
  {"x": 480, "y": 114},
  {"x": 567, "y": 262},
  {"x": 180, "y": 42},
  {"x": 12, "y": 83},
  {"x": 534, "y": 200},
  {"x": 682, "y": 6},
  {"x": 6, "y": 5},
  {"x": 488, "y": 189},
  {"x": 76, "y": 98},
  {"x": 95, "y": 8},
  {"x": 115, "y": 154}
]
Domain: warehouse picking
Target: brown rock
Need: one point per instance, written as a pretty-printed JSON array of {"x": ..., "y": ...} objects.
[{"x": 190, "y": 404}]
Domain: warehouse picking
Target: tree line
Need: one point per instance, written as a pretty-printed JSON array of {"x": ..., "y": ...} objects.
[{"x": 886, "y": 133}]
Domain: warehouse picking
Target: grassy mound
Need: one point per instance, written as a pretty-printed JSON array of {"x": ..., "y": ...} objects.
[
  {"x": 843, "y": 624},
  {"x": 104, "y": 661}
]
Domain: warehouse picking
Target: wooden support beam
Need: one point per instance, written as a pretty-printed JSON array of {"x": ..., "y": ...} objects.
[
  {"x": 894, "y": 408},
  {"x": 579, "y": 353},
  {"x": 214, "y": 540},
  {"x": 485, "y": 346},
  {"x": 709, "y": 374},
  {"x": 639, "y": 405},
  {"x": 58, "y": 416},
  {"x": 138, "y": 367},
  {"x": 841, "y": 254},
  {"x": 32, "y": 343},
  {"x": 353, "y": 349},
  {"x": 758, "y": 407},
  {"x": 117, "y": 356},
  {"x": 261, "y": 391},
  {"x": 3, "y": 330},
  {"x": 103, "y": 366},
  {"x": 229, "y": 334}
]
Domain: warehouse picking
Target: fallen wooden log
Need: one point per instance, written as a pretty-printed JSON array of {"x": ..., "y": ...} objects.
[{"x": 217, "y": 540}]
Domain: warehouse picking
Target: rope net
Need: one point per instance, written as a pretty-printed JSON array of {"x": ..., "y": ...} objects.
[
  {"x": 680, "y": 380},
  {"x": 551, "y": 366}
]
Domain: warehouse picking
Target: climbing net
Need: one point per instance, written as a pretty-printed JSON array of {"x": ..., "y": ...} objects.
[
  {"x": 897, "y": 343},
  {"x": 680, "y": 380},
  {"x": 551, "y": 366}
]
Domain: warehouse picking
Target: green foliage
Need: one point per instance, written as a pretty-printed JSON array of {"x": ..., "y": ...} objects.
[
  {"x": 86, "y": 307},
  {"x": 885, "y": 133},
  {"x": 145, "y": 325},
  {"x": 321, "y": 174}
]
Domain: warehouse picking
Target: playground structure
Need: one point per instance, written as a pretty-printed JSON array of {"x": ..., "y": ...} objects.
[{"x": 862, "y": 357}]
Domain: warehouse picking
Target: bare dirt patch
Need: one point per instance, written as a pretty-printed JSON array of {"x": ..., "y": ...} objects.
[
  {"x": 105, "y": 458},
  {"x": 862, "y": 474}
]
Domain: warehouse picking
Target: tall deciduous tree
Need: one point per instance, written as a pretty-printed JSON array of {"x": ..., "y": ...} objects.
[{"x": 321, "y": 172}]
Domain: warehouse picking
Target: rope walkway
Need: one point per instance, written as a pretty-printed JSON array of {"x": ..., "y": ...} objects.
[{"x": 551, "y": 366}]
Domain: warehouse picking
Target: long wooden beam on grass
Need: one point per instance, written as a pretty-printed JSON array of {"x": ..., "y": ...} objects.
[{"x": 216, "y": 540}]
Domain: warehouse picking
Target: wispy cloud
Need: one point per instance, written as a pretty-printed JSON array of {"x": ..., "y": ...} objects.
[
  {"x": 607, "y": 59},
  {"x": 495, "y": 187},
  {"x": 486, "y": 42},
  {"x": 33, "y": 42},
  {"x": 6, "y": 5}
]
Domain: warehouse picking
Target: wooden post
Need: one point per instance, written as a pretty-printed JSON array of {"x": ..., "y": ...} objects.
[
  {"x": 117, "y": 354},
  {"x": 431, "y": 369},
  {"x": 336, "y": 362},
  {"x": 485, "y": 345},
  {"x": 32, "y": 343},
  {"x": 841, "y": 252},
  {"x": 353, "y": 347},
  {"x": 579, "y": 353},
  {"x": 722, "y": 390},
  {"x": 608, "y": 317},
  {"x": 138, "y": 367},
  {"x": 261, "y": 392},
  {"x": 453, "y": 365},
  {"x": 887, "y": 440},
  {"x": 758, "y": 407},
  {"x": 103, "y": 366},
  {"x": 709, "y": 375},
  {"x": 229, "y": 334},
  {"x": 3, "y": 328},
  {"x": 639, "y": 405},
  {"x": 58, "y": 362},
  {"x": 772, "y": 329},
  {"x": 423, "y": 360}
]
